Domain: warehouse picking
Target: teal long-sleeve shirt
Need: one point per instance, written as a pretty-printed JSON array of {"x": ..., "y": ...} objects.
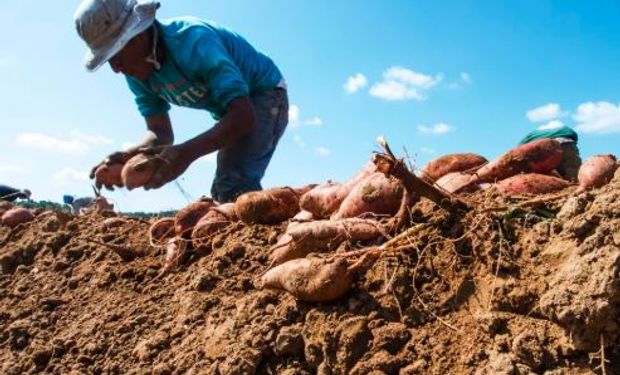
[
  {"x": 206, "y": 66},
  {"x": 560, "y": 132}
]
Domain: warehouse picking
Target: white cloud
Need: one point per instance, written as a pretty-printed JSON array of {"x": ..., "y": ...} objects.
[
  {"x": 392, "y": 90},
  {"x": 68, "y": 175},
  {"x": 544, "y": 113},
  {"x": 465, "y": 77},
  {"x": 437, "y": 129},
  {"x": 11, "y": 170},
  {"x": 315, "y": 121},
  {"x": 294, "y": 118},
  {"x": 598, "y": 118},
  {"x": 553, "y": 124},
  {"x": 355, "y": 83},
  {"x": 299, "y": 142},
  {"x": 322, "y": 151},
  {"x": 403, "y": 84},
  {"x": 78, "y": 143},
  {"x": 293, "y": 114}
]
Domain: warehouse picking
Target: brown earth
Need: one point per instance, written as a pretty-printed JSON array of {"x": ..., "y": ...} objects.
[{"x": 531, "y": 290}]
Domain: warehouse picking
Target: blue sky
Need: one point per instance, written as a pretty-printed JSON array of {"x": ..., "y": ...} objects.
[{"x": 433, "y": 77}]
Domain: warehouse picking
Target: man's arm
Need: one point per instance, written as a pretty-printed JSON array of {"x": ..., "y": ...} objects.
[
  {"x": 239, "y": 120},
  {"x": 158, "y": 132}
]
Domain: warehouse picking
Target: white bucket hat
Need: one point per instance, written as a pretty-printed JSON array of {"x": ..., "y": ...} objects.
[{"x": 107, "y": 25}]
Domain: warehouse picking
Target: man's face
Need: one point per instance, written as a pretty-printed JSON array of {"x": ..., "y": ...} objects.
[{"x": 131, "y": 60}]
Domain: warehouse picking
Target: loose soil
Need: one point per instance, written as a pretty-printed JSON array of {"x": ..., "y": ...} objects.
[{"x": 532, "y": 290}]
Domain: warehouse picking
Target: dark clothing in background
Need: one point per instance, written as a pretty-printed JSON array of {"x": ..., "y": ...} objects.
[{"x": 10, "y": 194}]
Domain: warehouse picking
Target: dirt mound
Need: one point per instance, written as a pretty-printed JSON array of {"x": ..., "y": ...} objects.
[{"x": 521, "y": 290}]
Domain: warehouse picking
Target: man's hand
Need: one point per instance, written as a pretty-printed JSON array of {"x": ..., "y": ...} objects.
[
  {"x": 119, "y": 157},
  {"x": 171, "y": 162}
]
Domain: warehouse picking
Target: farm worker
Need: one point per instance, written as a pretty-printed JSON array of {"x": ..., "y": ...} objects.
[
  {"x": 10, "y": 194},
  {"x": 78, "y": 205},
  {"x": 571, "y": 161},
  {"x": 190, "y": 63}
]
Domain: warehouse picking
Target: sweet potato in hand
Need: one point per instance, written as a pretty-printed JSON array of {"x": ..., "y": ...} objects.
[
  {"x": 109, "y": 175},
  {"x": 138, "y": 171}
]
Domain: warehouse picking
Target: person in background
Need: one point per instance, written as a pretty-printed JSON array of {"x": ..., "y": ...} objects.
[
  {"x": 567, "y": 137},
  {"x": 10, "y": 194},
  {"x": 192, "y": 63},
  {"x": 78, "y": 205}
]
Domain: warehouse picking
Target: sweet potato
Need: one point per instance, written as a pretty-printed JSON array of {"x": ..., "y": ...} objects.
[
  {"x": 323, "y": 235},
  {"x": 109, "y": 175},
  {"x": 161, "y": 230},
  {"x": 175, "y": 251},
  {"x": 138, "y": 171},
  {"x": 531, "y": 183},
  {"x": 540, "y": 156},
  {"x": 596, "y": 172},
  {"x": 15, "y": 216},
  {"x": 270, "y": 206},
  {"x": 186, "y": 218},
  {"x": 226, "y": 209},
  {"x": 325, "y": 199},
  {"x": 208, "y": 226},
  {"x": 302, "y": 216},
  {"x": 376, "y": 194},
  {"x": 4, "y": 207},
  {"x": 114, "y": 222},
  {"x": 450, "y": 163},
  {"x": 456, "y": 183},
  {"x": 311, "y": 280}
]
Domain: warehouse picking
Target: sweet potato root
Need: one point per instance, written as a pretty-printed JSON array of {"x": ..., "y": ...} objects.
[
  {"x": 270, "y": 206},
  {"x": 15, "y": 216},
  {"x": 456, "y": 183},
  {"x": 311, "y": 280},
  {"x": 596, "y": 172},
  {"x": 376, "y": 194},
  {"x": 138, "y": 171},
  {"x": 175, "y": 251},
  {"x": 325, "y": 199},
  {"x": 161, "y": 230},
  {"x": 109, "y": 175},
  {"x": 540, "y": 156},
  {"x": 186, "y": 218},
  {"x": 323, "y": 235},
  {"x": 450, "y": 163},
  {"x": 531, "y": 183},
  {"x": 208, "y": 226}
]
